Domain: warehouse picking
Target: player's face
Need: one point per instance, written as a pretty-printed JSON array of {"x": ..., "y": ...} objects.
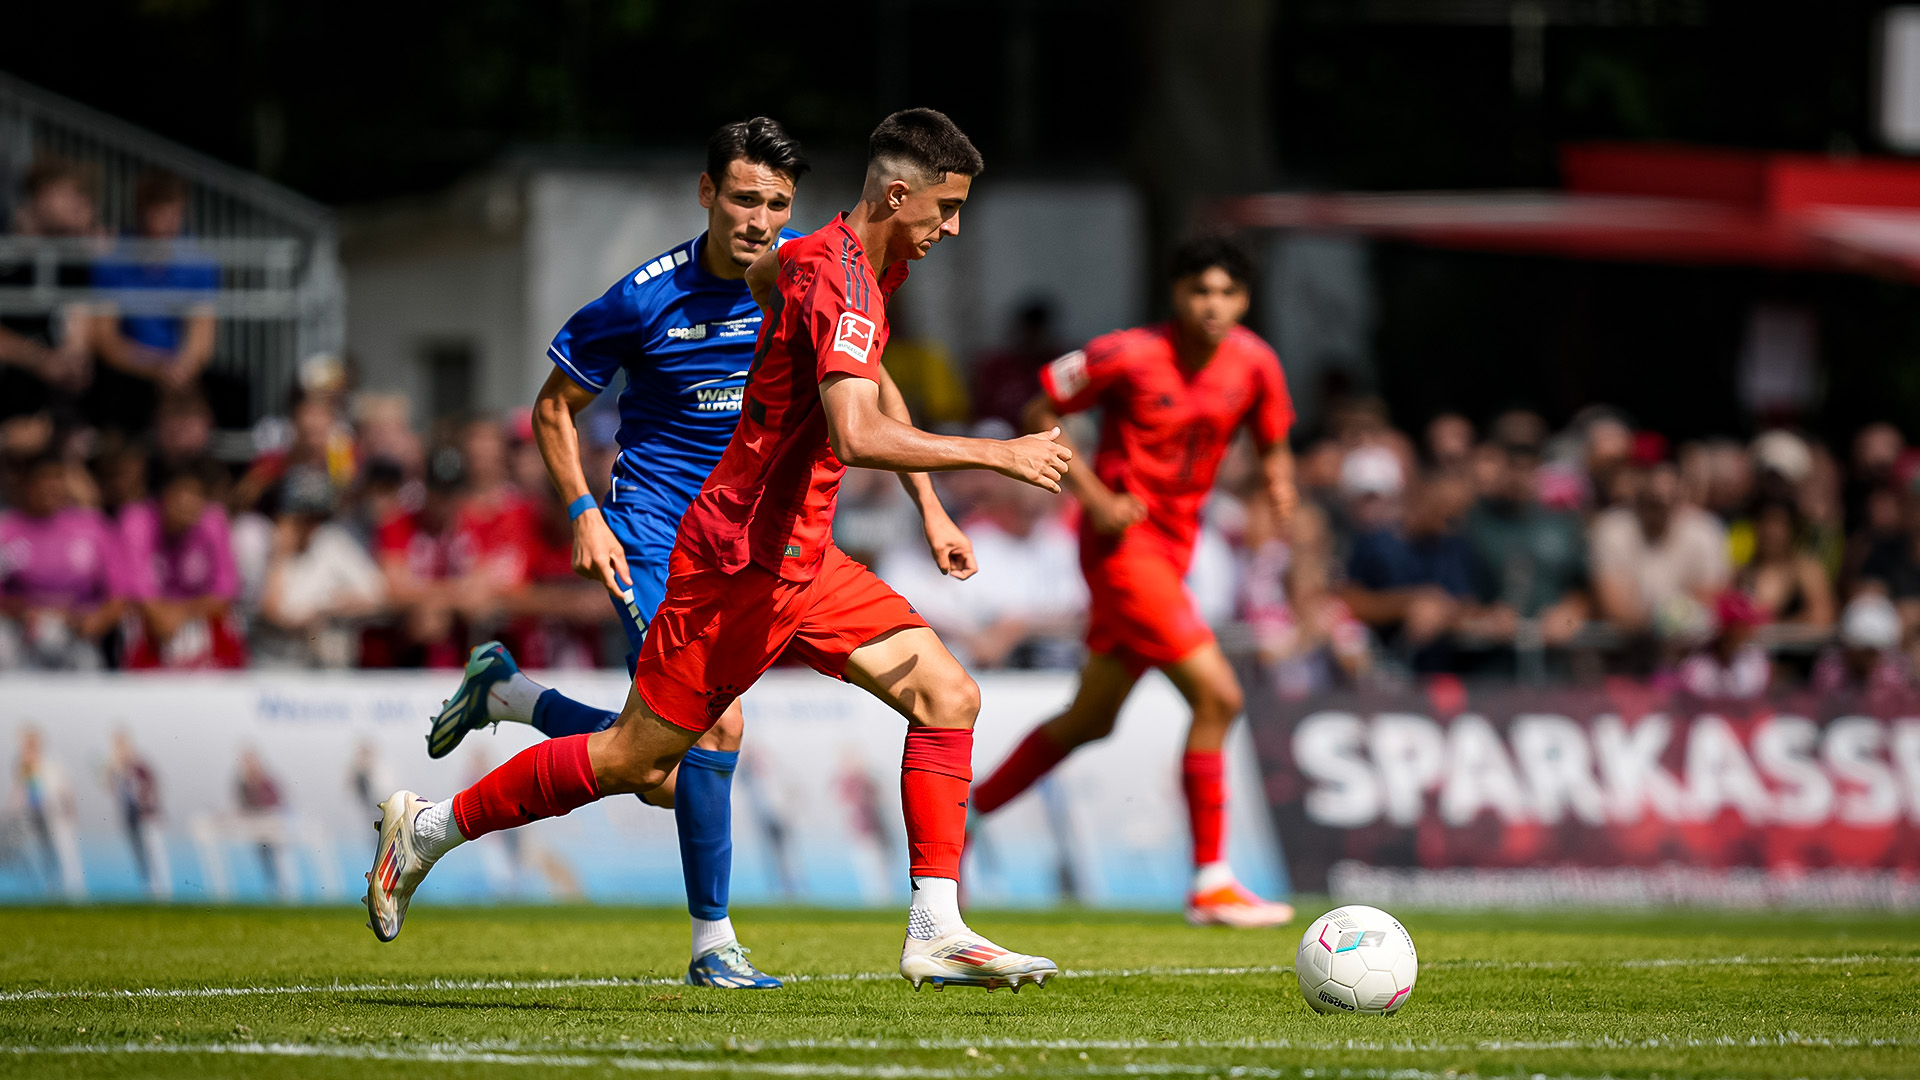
[
  {"x": 747, "y": 209},
  {"x": 927, "y": 213},
  {"x": 1208, "y": 305}
]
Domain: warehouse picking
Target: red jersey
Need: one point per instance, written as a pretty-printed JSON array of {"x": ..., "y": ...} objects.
[
  {"x": 769, "y": 502},
  {"x": 1164, "y": 431}
]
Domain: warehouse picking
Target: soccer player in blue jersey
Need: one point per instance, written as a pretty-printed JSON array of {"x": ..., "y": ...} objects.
[{"x": 682, "y": 327}]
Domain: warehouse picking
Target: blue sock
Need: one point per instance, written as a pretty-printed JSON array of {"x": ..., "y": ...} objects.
[
  {"x": 703, "y": 810},
  {"x": 556, "y": 714}
]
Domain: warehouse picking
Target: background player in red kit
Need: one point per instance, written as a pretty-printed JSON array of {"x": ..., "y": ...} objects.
[
  {"x": 1172, "y": 397},
  {"x": 755, "y": 573}
]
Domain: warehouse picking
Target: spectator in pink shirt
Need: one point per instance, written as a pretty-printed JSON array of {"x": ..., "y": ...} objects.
[
  {"x": 179, "y": 546},
  {"x": 63, "y": 577}
]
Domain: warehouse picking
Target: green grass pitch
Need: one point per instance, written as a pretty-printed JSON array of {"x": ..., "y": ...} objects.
[{"x": 590, "y": 991}]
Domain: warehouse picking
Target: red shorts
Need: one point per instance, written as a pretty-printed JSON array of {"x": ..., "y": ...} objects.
[
  {"x": 1139, "y": 610},
  {"x": 715, "y": 633}
]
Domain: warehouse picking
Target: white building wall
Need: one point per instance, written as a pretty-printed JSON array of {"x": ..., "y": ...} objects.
[
  {"x": 1318, "y": 300},
  {"x": 585, "y": 229},
  {"x": 398, "y": 304},
  {"x": 1081, "y": 245}
]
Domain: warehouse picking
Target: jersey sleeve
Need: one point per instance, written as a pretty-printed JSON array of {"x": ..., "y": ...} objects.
[
  {"x": 845, "y": 336},
  {"x": 1272, "y": 414},
  {"x": 598, "y": 339},
  {"x": 1077, "y": 380}
]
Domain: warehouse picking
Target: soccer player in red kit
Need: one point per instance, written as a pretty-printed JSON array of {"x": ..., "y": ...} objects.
[
  {"x": 1171, "y": 397},
  {"x": 754, "y": 572}
]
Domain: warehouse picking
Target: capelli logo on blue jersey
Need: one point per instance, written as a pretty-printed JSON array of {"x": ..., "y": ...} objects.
[{"x": 696, "y": 332}]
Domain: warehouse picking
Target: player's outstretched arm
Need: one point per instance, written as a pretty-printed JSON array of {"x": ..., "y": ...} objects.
[
  {"x": 597, "y": 554},
  {"x": 864, "y": 436},
  {"x": 1109, "y": 512}
]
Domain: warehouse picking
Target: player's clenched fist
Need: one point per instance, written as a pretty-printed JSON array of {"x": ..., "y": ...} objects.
[{"x": 1039, "y": 459}]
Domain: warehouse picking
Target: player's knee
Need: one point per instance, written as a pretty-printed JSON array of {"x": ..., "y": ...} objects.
[
  {"x": 632, "y": 774},
  {"x": 1232, "y": 701},
  {"x": 1080, "y": 725},
  {"x": 954, "y": 701},
  {"x": 1222, "y": 700},
  {"x": 622, "y": 767}
]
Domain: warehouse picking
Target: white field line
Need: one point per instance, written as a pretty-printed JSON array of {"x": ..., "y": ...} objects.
[
  {"x": 564, "y": 984},
  {"x": 873, "y": 976},
  {"x": 1778, "y": 1040},
  {"x": 455, "y": 1055}
]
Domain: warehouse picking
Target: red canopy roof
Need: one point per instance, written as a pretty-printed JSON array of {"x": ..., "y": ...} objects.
[{"x": 1670, "y": 204}]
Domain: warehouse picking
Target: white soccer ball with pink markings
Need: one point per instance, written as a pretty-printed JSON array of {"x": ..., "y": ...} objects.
[{"x": 1356, "y": 959}]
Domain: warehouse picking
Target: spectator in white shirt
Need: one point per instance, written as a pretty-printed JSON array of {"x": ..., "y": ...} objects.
[
  {"x": 319, "y": 583},
  {"x": 1658, "y": 561}
]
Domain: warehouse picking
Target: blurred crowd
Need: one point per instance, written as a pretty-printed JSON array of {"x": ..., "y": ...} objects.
[
  {"x": 131, "y": 538},
  {"x": 348, "y": 540},
  {"x": 346, "y": 532},
  {"x": 1721, "y": 566},
  {"x": 1511, "y": 550}
]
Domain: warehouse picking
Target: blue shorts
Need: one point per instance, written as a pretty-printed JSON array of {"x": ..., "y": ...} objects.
[{"x": 648, "y": 538}]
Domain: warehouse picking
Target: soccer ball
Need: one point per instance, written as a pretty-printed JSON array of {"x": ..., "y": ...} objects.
[{"x": 1356, "y": 959}]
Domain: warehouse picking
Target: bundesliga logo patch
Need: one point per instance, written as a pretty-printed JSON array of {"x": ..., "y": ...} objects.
[
  {"x": 1069, "y": 374},
  {"x": 854, "y": 335}
]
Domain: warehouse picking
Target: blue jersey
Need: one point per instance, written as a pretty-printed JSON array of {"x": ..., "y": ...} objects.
[{"x": 685, "y": 340}]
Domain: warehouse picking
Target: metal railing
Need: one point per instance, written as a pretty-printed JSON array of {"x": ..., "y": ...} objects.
[{"x": 279, "y": 298}]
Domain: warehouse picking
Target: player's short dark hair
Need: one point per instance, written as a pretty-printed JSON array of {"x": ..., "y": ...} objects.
[
  {"x": 1198, "y": 254},
  {"x": 759, "y": 141},
  {"x": 927, "y": 142}
]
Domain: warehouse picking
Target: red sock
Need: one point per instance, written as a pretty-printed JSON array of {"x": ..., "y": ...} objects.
[
  {"x": 1203, "y": 778},
  {"x": 1034, "y": 758},
  {"x": 544, "y": 781},
  {"x": 935, "y": 771}
]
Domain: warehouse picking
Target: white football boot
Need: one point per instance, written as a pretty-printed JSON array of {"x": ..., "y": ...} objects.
[
  {"x": 964, "y": 958},
  {"x": 398, "y": 866}
]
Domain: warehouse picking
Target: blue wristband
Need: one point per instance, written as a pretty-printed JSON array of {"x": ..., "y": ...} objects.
[{"x": 580, "y": 506}]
